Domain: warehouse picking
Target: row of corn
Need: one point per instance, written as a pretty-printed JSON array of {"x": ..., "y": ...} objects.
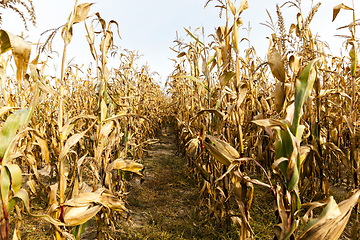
[
  {"x": 70, "y": 142},
  {"x": 287, "y": 123}
]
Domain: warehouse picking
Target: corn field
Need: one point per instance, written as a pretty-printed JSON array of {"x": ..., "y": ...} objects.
[{"x": 287, "y": 124}]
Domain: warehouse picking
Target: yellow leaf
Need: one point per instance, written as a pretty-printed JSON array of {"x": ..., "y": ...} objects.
[
  {"x": 44, "y": 148},
  {"x": 276, "y": 63},
  {"x": 353, "y": 56},
  {"x": 21, "y": 51},
  {"x": 337, "y": 9},
  {"x": 332, "y": 221},
  {"x": 294, "y": 64},
  {"x": 232, "y": 8},
  {"x": 243, "y": 6},
  {"x": 279, "y": 96},
  {"x": 78, "y": 215},
  {"x": 81, "y": 12}
]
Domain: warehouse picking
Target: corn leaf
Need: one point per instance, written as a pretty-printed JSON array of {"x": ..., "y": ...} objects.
[
  {"x": 276, "y": 63},
  {"x": 79, "y": 14},
  {"x": 332, "y": 220},
  {"x": 196, "y": 39},
  {"x": 337, "y": 9},
  {"x": 21, "y": 51},
  {"x": 303, "y": 89}
]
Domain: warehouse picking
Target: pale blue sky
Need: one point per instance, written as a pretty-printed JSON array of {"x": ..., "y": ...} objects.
[{"x": 150, "y": 26}]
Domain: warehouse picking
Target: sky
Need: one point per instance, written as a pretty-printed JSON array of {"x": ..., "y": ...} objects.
[{"x": 150, "y": 26}]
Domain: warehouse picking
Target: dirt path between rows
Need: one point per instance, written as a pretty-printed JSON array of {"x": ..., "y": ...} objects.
[
  {"x": 163, "y": 203},
  {"x": 164, "y": 206}
]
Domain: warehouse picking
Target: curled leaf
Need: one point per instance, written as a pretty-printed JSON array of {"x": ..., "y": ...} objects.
[
  {"x": 279, "y": 96},
  {"x": 21, "y": 51},
  {"x": 294, "y": 64},
  {"x": 79, "y": 14},
  {"x": 337, "y": 9},
  {"x": 232, "y": 8},
  {"x": 243, "y": 6},
  {"x": 332, "y": 220},
  {"x": 276, "y": 63}
]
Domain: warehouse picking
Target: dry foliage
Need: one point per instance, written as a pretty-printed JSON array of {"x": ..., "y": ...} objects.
[{"x": 287, "y": 123}]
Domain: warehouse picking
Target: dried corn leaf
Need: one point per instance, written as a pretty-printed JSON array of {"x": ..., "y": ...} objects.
[
  {"x": 337, "y": 9},
  {"x": 276, "y": 63},
  {"x": 79, "y": 14},
  {"x": 232, "y": 8},
  {"x": 294, "y": 63},
  {"x": 44, "y": 148},
  {"x": 99, "y": 197},
  {"x": 332, "y": 220},
  {"x": 72, "y": 141},
  {"x": 279, "y": 96},
  {"x": 243, "y": 6},
  {"x": 271, "y": 123},
  {"x": 21, "y": 51},
  {"x": 78, "y": 215}
]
